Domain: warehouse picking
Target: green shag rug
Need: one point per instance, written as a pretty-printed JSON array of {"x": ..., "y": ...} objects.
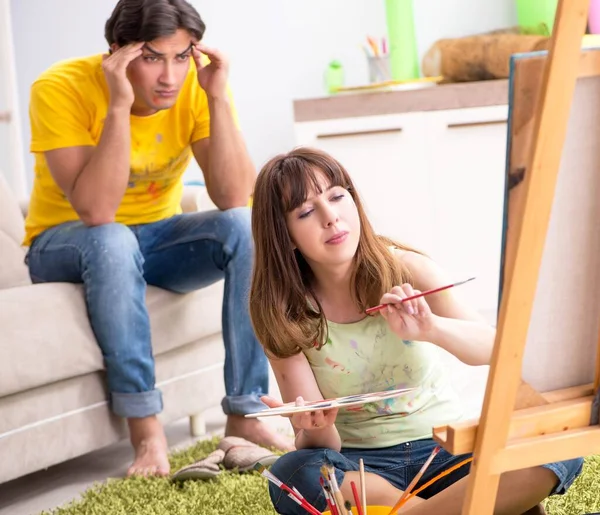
[{"x": 232, "y": 493}]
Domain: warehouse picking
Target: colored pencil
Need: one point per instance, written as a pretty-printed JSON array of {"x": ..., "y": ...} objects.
[{"x": 373, "y": 45}]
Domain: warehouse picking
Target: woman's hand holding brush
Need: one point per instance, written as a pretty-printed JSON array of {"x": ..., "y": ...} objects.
[{"x": 409, "y": 319}]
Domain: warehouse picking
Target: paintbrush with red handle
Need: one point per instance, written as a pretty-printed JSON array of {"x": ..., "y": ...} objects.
[{"x": 422, "y": 294}]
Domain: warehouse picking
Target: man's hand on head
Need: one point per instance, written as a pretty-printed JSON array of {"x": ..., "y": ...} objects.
[
  {"x": 213, "y": 76},
  {"x": 115, "y": 70}
]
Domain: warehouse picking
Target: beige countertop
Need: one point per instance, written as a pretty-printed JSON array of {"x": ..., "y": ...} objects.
[{"x": 442, "y": 96}]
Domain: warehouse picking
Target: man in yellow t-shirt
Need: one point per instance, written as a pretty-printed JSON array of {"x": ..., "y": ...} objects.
[{"x": 112, "y": 135}]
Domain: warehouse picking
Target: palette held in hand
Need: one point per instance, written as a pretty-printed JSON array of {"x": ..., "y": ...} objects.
[{"x": 340, "y": 402}]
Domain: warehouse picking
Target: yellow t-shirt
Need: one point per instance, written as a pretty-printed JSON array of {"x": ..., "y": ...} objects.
[{"x": 68, "y": 106}]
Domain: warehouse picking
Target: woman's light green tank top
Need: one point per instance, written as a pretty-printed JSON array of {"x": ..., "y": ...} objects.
[{"x": 365, "y": 357}]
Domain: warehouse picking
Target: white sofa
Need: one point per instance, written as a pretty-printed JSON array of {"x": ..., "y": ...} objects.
[{"x": 53, "y": 398}]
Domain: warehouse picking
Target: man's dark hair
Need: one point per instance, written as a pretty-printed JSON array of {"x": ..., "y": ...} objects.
[{"x": 134, "y": 21}]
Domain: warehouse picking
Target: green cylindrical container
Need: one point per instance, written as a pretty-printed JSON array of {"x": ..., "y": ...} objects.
[
  {"x": 404, "y": 60},
  {"x": 536, "y": 16},
  {"x": 334, "y": 76}
]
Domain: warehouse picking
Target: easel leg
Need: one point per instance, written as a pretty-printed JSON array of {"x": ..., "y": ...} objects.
[
  {"x": 552, "y": 115},
  {"x": 595, "y": 419}
]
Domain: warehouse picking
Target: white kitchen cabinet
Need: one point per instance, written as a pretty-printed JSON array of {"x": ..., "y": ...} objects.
[
  {"x": 468, "y": 169},
  {"x": 431, "y": 179}
]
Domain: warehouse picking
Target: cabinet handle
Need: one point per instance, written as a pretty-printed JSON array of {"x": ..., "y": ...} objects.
[
  {"x": 475, "y": 124},
  {"x": 4, "y": 116},
  {"x": 358, "y": 133}
]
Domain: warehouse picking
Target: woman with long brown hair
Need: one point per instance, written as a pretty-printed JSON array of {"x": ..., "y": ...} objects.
[{"x": 318, "y": 266}]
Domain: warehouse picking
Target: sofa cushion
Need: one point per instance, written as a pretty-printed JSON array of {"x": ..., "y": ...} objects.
[
  {"x": 13, "y": 271},
  {"x": 48, "y": 425},
  {"x": 11, "y": 218},
  {"x": 45, "y": 335},
  {"x": 66, "y": 398}
]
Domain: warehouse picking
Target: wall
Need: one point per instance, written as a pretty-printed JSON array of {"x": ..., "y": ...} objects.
[
  {"x": 11, "y": 150},
  {"x": 278, "y": 48}
]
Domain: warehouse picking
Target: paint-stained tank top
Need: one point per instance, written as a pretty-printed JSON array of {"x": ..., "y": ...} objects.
[{"x": 366, "y": 356}]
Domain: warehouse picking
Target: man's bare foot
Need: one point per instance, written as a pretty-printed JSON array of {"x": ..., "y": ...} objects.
[
  {"x": 257, "y": 432},
  {"x": 536, "y": 510},
  {"x": 150, "y": 445}
]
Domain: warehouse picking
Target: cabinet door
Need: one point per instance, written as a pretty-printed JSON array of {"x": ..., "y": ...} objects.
[
  {"x": 468, "y": 169},
  {"x": 386, "y": 157}
]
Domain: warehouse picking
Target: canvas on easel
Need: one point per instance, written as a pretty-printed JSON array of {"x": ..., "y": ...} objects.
[
  {"x": 548, "y": 327},
  {"x": 564, "y": 323}
]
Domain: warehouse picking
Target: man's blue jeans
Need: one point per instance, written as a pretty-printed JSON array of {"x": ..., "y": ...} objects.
[{"x": 183, "y": 253}]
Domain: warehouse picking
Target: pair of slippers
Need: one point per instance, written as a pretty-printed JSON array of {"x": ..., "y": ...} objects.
[{"x": 232, "y": 453}]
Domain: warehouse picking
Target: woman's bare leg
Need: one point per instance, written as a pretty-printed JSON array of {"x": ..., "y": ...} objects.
[
  {"x": 380, "y": 492},
  {"x": 519, "y": 492}
]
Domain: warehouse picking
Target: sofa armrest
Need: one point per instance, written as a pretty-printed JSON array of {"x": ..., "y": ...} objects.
[{"x": 196, "y": 198}]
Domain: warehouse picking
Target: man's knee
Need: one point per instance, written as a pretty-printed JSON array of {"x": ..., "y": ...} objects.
[
  {"x": 112, "y": 245},
  {"x": 239, "y": 220},
  {"x": 237, "y": 230}
]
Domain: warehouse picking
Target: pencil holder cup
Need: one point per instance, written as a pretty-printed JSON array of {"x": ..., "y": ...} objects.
[
  {"x": 379, "y": 68},
  {"x": 372, "y": 510}
]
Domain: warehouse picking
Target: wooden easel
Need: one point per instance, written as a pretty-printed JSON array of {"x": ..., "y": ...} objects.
[{"x": 508, "y": 437}]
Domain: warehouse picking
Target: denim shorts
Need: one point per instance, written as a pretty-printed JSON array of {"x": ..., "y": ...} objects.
[{"x": 398, "y": 464}]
